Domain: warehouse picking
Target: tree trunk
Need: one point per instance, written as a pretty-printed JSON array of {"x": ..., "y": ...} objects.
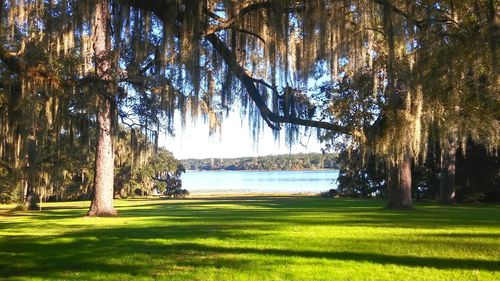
[
  {"x": 399, "y": 181},
  {"x": 447, "y": 181},
  {"x": 399, "y": 185},
  {"x": 102, "y": 201},
  {"x": 30, "y": 200}
]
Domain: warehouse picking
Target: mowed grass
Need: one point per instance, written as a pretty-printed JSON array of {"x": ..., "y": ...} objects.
[{"x": 252, "y": 238}]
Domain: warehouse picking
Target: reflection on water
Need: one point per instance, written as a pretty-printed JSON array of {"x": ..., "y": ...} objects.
[{"x": 217, "y": 182}]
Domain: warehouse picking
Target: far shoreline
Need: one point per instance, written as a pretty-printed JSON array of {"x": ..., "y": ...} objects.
[
  {"x": 301, "y": 170},
  {"x": 250, "y": 194}
]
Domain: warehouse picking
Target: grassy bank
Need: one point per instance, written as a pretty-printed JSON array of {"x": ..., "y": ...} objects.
[{"x": 251, "y": 238}]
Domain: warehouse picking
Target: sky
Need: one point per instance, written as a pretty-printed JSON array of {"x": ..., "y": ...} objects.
[{"x": 235, "y": 140}]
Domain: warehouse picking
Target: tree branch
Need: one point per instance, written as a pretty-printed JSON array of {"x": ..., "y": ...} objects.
[
  {"x": 242, "y": 12},
  {"x": 249, "y": 84},
  {"x": 250, "y": 33}
]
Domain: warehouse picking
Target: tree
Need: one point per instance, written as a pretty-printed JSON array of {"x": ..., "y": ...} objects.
[
  {"x": 195, "y": 55},
  {"x": 102, "y": 201},
  {"x": 34, "y": 98},
  {"x": 142, "y": 170},
  {"x": 437, "y": 76}
]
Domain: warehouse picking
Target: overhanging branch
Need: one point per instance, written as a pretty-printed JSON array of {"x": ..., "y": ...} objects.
[{"x": 248, "y": 82}]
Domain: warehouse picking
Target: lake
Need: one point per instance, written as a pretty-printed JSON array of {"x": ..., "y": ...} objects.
[{"x": 235, "y": 182}]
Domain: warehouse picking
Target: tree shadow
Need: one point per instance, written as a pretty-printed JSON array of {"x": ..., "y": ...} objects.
[
  {"x": 289, "y": 210},
  {"x": 181, "y": 234},
  {"x": 96, "y": 250},
  {"x": 429, "y": 262},
  {"x": 459, "y": 235}
]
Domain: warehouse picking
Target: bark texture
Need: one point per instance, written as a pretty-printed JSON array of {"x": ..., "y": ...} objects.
[
  {"x": 399, "y": 182},
  {"x": 447, "y": 183},
  {"x": 102, "y": 201},
  {"x": 30, "y": 197},
  {"x": 400, "y": 185}
]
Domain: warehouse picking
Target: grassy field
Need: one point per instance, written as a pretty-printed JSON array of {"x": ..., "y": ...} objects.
[{"x": 251, "y": 238}]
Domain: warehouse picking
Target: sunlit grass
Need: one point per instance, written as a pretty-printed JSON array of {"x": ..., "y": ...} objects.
[{"x": 251, "y": 238}]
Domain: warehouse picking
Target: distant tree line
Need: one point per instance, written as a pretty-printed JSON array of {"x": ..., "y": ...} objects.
[{"x": 302, "y": 161}]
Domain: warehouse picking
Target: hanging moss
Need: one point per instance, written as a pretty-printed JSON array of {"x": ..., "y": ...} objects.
[{"x": 162, "y": 63}]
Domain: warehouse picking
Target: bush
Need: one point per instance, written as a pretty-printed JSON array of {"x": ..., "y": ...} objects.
[
  {"x": 174, "y": 189},
  {"x": 177, "y": 193},
  {"x": 8, "y": 197},
  {"x": 332, "y": 193}
]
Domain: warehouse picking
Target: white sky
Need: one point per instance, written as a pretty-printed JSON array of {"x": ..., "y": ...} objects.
[{"x": 234, "y": 141}]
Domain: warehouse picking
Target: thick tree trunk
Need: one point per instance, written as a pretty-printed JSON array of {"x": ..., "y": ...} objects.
[
  {"x": 399, "y": 185},
  {"x": 447, "y": 181},
  {"x": 30, "y": 199},
  {"x": 399, "y": 181},
  {"x": 102, "y": 201}
]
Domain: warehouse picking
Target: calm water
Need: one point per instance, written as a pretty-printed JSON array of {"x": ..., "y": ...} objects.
[{"x": 217, "y": 182}]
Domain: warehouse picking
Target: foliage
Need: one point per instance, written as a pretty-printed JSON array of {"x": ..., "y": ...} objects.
[
  {"x": 394, "y": 69},
  {"x": 477, "y": 176},
  {"x": 329, "y": 193},
  {"x": 68, "y": 174},
  {"x": 146, "y": 169},
  {"x": 174, "y": 189},
  {"x": 360, "y": 177}
]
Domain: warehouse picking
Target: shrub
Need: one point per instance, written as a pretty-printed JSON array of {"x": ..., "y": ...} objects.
[{"x": 332, "y": 193}]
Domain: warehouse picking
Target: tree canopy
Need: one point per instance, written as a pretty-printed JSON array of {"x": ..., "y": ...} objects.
[{"x": 393, "y": 73}]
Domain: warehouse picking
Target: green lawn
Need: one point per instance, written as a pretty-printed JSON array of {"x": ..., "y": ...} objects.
[{"x": 251, "y": 238}]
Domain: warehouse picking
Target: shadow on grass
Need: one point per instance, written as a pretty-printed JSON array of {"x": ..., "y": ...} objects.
[
  {"x": 458, "y": 235},
  {"x": 174, "y": 225},
  {"x": 310, "y": 211},
  {"x": 439, "y": 263},
  {"x": 90, "y": 251},
  {"x": 290, "y": 210}
]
